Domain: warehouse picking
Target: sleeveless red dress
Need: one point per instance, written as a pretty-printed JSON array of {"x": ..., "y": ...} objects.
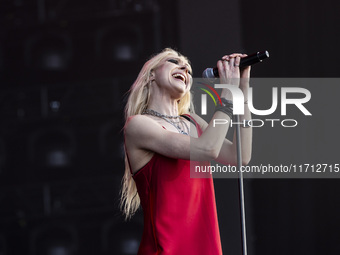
[{"x": 180, "y": 215}]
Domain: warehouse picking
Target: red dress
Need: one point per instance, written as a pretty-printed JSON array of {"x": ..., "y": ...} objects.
[{"x": 180, "y": 215}]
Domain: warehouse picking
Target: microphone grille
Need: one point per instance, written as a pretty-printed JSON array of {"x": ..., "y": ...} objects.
[{"x": 208, "y": 73}]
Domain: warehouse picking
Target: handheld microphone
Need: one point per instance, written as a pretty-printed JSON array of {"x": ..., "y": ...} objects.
[{"x": 247, "y": 61}]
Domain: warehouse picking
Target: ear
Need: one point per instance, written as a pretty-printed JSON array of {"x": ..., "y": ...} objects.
[{"x": 152, "y": 75}]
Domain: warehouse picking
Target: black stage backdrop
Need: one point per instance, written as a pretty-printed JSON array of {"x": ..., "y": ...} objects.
[{"x": 65, "y": 67}]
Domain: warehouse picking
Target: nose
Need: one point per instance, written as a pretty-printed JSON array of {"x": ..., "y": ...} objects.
[{"x": 185, "y": 68}]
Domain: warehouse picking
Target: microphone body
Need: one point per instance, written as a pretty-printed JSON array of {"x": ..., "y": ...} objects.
[{"x": 247, "y": 61}]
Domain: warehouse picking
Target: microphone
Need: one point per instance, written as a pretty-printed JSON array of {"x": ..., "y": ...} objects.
[{"x": 247, "y": 61}]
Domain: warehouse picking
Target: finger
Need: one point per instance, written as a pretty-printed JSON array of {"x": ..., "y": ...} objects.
[
  {"x": 232, "y": 62},
  {"x": 234, "y": 55},
  {"x": 226, "y": 57},
  {"x": 237, "y": 61},
  {"x": 221, "y": 66},
  {"x": 225, "y": 69}
]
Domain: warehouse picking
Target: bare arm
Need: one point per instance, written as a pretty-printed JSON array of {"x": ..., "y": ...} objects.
[
  {"x": 143, "y": 134},
  {"x": 227, "y": 154}
]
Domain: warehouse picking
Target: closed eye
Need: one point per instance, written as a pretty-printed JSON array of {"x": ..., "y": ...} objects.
[{"x": 175, "y": 61}]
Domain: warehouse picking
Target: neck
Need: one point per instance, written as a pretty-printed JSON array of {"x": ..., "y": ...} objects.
[{"x": 164, "y": 105}]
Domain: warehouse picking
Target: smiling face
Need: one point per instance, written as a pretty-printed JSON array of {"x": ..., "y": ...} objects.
[{"x": 173, "y": 73}]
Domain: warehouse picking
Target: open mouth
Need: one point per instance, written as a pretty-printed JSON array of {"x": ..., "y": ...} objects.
[{"x": 179, "y": 76}]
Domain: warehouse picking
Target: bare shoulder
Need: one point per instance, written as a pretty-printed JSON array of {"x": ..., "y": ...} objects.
[
  {"x": 138, "y": 123},
  {"x": 140, "y": 128},
  {"x": 139, "y": 131}
]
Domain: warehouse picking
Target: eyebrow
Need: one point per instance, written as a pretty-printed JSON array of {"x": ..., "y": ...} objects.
[{"x": 181, "y": 60}]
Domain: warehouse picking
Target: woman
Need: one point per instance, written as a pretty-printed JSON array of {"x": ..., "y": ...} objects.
[{"x": 179, "y": 212}]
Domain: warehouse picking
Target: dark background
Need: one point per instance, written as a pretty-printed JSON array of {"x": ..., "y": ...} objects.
[{"x": 65, "y": 67}]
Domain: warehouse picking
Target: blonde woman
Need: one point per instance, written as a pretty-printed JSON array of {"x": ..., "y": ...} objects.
[{"x": 160, "y": 135}]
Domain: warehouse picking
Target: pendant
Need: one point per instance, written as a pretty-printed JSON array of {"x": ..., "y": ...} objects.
[{"x": 184, "y": 133}]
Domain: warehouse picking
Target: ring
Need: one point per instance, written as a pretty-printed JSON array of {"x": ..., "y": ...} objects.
[{"x": 236, "y": 65}]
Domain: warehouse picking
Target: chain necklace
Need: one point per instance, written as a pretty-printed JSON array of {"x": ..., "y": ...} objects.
[
  {"x": 168, "y": 118},
  {"x": 157, "y": 114}
]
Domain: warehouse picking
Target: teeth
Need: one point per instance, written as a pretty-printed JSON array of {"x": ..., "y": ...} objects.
[{"x": 178, "y": 75}]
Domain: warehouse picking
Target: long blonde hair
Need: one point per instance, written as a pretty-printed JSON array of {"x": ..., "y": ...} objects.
[{"x": 138, "y": 100}]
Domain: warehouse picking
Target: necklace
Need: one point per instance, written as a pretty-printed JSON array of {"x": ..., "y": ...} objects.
[
  {"x": 157, "y": 114},
  {"x": 168, "y": 118}
]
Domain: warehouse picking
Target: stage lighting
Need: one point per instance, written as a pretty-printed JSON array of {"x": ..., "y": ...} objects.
[
  {"x": 119, "y": 44},
  {"x": 122, "y": 238},
  {"x": 54, "y": 240},
  {"x": 49, "y": 51},
  {"x": 58, "y": 249},
  {"x": 53, "y": 147}
]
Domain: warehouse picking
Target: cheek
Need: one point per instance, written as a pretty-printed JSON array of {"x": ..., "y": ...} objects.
[
  {"x": 160, "y": 75},
  {"x": 190, "y": 82},
  {"x": 162, "y": 71}
]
